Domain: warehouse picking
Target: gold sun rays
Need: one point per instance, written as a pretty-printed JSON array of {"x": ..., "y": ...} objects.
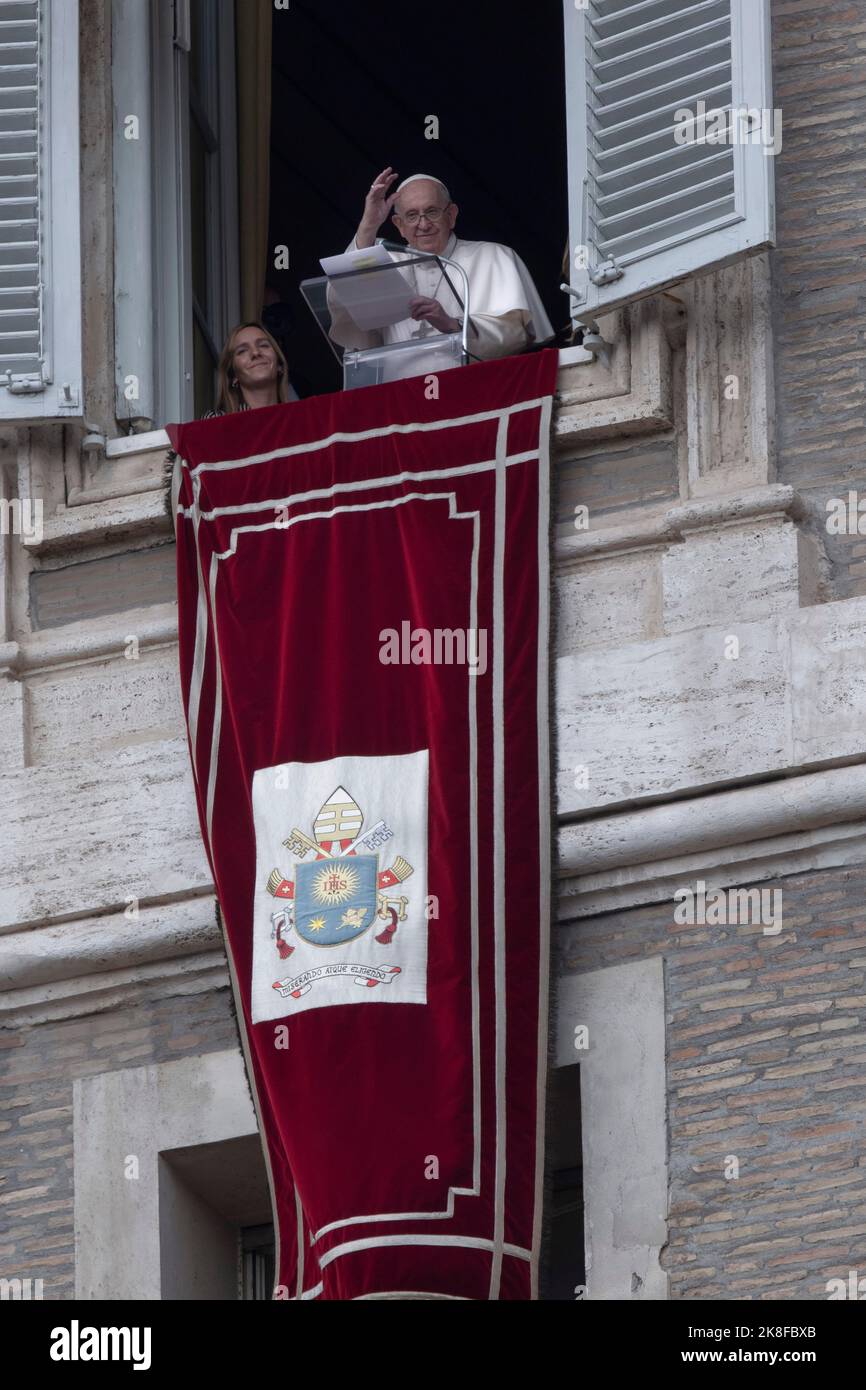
[{"x": 335, "y": 885}]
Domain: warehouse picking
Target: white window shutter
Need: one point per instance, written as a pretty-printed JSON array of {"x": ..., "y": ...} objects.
[
  {"x": 647, "y": 206},
  {"x": 40, "y": 247}
]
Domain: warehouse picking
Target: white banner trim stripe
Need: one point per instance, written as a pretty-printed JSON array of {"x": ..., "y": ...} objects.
[
  {"x": 474, "y": 890},
  {"x": 359, "y": 436},
  {"x": 200, "y": 648},
  {"x": 299, "y": 1226},
  {"x": 411, "y": 1293},
  {"x": 217, "y": 706},
  {"x": 544, "y": 813},
  {"x": 499, "y": 867},
  {"x": 308, "y": 1294},
  {"x": 381, "y": 1242},
  {"x": 445, "y": 1215},
  {"x": 361, "y": 485}
]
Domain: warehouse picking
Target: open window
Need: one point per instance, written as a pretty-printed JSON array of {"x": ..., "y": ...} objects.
[
  {"x": 267, "y": 124},
  {"x": 479, "y": 104},
  {"x": 261, "y": 131}
]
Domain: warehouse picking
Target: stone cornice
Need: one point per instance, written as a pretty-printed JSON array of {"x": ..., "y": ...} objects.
[
  {"x": 675, "y": 523},
  {"x": 748, "y": 834},
  {"x": 93, "y": 640},
  {"x": 139, "y": 514},
  {"x": 90, "y": 964}
]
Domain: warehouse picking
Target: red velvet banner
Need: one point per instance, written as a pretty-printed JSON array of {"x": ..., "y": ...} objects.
[{"x": 363, "y": 593}]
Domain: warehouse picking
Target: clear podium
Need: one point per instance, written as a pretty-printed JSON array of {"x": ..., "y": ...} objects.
[{"x": 365, "y": 358}]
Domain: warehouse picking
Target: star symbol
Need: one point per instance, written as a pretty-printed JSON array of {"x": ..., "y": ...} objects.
[{"x": 317, "y": 924}]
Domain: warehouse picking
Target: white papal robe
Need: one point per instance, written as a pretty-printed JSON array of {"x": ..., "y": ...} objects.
[{"x": 505, "y": 311}]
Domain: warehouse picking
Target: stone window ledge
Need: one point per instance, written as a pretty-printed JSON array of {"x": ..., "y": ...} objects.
[
  {"x": 95, "y": 639},
  {"x": 668, "y": 526}
]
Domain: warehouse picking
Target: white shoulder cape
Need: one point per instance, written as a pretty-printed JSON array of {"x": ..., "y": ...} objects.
[{"x": 499, "y": 283}]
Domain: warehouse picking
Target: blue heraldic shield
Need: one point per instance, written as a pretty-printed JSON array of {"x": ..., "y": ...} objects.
[{"x": 335, "y": 899}]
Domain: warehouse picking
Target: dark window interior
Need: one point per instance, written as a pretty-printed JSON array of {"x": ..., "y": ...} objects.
[
  {"x": 258, "y": 1268},
  {"x": 563, "y": 1268},
  {"x": 352, "y": 86}
]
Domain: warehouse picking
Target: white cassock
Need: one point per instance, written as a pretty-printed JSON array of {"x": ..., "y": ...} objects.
[{"x": 506, "y": 314}]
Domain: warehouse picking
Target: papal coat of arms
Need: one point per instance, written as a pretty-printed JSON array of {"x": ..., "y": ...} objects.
[{"x": 338, "y": 896}]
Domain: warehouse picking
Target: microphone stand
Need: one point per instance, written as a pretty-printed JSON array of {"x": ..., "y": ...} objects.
[{"x": 434, "y": 256}]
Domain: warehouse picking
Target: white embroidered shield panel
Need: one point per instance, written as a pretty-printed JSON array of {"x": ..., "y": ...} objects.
[{"x": 340, "y": 906}]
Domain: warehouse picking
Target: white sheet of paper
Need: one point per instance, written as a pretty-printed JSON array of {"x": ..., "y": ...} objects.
[{"x": 371, "y": 301}]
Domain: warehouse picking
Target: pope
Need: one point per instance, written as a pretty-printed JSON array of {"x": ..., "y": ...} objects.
[{"x": 506, "y": 313}]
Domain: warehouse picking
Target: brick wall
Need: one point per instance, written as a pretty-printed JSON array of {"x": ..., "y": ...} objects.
[
  {"x": 37, "y": 1068},
  {"x": 819, "y": 268},
  {"x": 766, "y": 1063}
]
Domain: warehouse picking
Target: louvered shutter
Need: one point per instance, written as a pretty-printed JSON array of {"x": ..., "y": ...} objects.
[
  {"x": 40, "y": 267},
  {"x": 648, "y": 205}
]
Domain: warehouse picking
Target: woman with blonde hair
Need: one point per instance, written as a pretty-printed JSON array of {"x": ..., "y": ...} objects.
[{"x": 252, "y": 372}]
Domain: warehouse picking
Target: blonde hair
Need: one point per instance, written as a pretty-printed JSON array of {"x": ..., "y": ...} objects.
[{"x": 230, "y": 398}]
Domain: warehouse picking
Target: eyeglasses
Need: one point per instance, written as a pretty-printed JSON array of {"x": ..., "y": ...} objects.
[{"x": 413, "y": 217}]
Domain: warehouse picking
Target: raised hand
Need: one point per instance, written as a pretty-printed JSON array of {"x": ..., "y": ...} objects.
[{"x": 377, "y": 207}]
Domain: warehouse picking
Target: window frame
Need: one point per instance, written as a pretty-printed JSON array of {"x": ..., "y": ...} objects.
[{"x": 164, "y": 294}]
